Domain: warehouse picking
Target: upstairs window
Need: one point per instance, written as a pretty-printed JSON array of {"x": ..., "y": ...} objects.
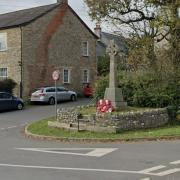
[
  {"x": 3, "y": 73},
  {"x": 85, "y": 48},
  {"x": 85, "y": 76},
  {"x": 3, "y": 41},
  {"x": 66, "y": 76}
]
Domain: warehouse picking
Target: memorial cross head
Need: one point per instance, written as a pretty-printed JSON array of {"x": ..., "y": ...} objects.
[{"x": 112, "y": 48}]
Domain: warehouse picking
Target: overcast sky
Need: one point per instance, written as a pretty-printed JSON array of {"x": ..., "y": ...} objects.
[{"x": 13, "y": 5}]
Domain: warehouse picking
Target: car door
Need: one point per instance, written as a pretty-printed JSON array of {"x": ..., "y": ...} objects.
[
  {"x": 50, "y": 92},
  {"x": 2, "y": 107},
  {"x": 60, "y": 94},
  {"x": 6, "y": 101}
]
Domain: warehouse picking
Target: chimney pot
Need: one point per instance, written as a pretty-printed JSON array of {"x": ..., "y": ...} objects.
[{"x": 97, "y": 30}]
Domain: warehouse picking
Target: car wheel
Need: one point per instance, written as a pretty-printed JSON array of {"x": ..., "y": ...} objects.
[
  {"x": 19, "y": 106},
  {"x": 51, "y": 101},
  {"x": 73, "y": 98}
]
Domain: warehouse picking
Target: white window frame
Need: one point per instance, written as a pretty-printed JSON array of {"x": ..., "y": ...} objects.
[
  {"x": 4, "y": 37},
  {"x": 69, "y": 74},
  {"x": 5, "y": 76},
  {"x": 87, "y": 79},
  {"x": 85, "y": 50}
]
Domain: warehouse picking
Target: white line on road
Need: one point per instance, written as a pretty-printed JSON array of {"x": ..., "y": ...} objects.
[
  {"x": 164, "y": 173},
  {"x": 94, "y": 152},
  {"x": 175, "y": 162},
  {"x": 11, "y": 127},
  {"x": 146, "y": 179},
  {"x": 170, "y": 171},
  {"x": 73, "y": 169},
  {"x": 152, "y": 169},
  {"x": 15, "y": 126},
  {"x": 99, "y": 152}
]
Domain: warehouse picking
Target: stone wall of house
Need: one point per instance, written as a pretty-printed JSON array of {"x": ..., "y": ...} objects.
[
  {"x": 53, "y": 41},
  {"x": 11, "y": 57},
  {"x": 114, "y": 123}
]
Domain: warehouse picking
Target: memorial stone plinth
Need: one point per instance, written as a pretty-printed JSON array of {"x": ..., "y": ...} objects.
[{"x": 113, "y": 93}]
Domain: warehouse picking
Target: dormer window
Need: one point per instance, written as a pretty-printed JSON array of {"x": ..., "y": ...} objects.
[
  {"x": 85, "y": 48},
  {"x": 3, "y": 41}
]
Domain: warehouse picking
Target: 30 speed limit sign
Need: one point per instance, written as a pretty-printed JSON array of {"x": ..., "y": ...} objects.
[{"x": 56, "y": 75}]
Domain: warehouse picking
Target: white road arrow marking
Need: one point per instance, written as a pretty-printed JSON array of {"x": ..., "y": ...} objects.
[
  {"x": 94, "y": 152},
  {"x": 175, "y": 162}
]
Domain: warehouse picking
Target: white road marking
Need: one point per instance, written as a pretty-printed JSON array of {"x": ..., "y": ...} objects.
[
  {"x": 170, "y": 171},
  {"x": 11, "y": 127},
  {"x": 163, "y": 173},
  {"x": 175, "y": 162},
  {"x": 72, "y": 169},
  {"x": 94, "y": 152},
  {"x": 152, "y": 169},
  {"x": 15, "y": 126},
  {"x": 100, "y": 152}
]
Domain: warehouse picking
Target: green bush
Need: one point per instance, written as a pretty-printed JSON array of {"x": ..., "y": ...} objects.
[
  {"x": 148, "y": 89},
  {"x": 174, "y": 114},
  {"x": 100, "y": 87},
  {"x": 7, "y": 85},
  {"x": 103, "y": 65},
  {"x": 144, "y": 89},
  {"x": 178, "y": 115}
]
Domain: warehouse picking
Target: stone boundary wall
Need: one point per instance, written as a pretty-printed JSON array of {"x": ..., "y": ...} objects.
[
  {"x": 135, "y": 120},
  {"x": 111, "y": 122}
]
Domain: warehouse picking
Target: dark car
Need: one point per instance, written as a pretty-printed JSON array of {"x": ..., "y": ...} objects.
[{"x": 8, "y": 102}]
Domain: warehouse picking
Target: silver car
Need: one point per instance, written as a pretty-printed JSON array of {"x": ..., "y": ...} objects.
[{"x": 47, "y": 95}]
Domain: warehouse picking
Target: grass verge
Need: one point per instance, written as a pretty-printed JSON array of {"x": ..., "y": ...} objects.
[{"x": 41, "y": 128}]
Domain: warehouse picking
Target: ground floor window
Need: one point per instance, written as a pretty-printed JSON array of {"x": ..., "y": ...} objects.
[
  {"x": 85, "y": 76},
  {"x": 3, "y": 73},
  {"x": 66, "y": 76}
]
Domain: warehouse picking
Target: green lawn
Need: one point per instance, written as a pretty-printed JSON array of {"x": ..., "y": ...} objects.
[{"x": 41, "y": 128}]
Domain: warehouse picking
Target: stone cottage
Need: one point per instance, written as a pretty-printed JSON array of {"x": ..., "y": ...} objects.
[{"x": 35, "y": 42}]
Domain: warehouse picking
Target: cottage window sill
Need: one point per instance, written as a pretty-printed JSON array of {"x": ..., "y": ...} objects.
[{"x": 3, "y": 50}]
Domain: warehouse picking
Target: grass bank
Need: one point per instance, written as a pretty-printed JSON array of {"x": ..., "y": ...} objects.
[{"x": 41, "y": 128}]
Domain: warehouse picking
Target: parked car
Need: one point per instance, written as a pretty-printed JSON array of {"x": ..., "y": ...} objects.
[
  {"x": 8, "y": 102},
  {"x": 47, "y": 95}
]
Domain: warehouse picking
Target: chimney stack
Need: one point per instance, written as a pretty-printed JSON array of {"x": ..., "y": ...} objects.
[
  {"x": 97, "y": 30},
  {"x": 62, "y": 1}
]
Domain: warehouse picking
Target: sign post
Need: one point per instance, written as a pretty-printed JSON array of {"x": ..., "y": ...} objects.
[{"x": 56, "y": 76}]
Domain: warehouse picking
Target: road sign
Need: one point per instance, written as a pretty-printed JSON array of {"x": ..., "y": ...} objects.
[{"x": 55, "y": 75}]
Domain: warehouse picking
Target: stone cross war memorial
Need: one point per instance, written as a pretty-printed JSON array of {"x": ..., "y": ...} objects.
[{"x": 113, "y": 93}]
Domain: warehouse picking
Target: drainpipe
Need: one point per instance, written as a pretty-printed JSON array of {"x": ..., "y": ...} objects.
[{"x": 21, "y": 67}]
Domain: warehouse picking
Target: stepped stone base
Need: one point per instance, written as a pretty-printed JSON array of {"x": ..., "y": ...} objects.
[{"x": 116, "y": 98}]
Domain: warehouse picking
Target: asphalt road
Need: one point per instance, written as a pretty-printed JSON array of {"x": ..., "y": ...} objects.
[{"x": 27, "y": 159}]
